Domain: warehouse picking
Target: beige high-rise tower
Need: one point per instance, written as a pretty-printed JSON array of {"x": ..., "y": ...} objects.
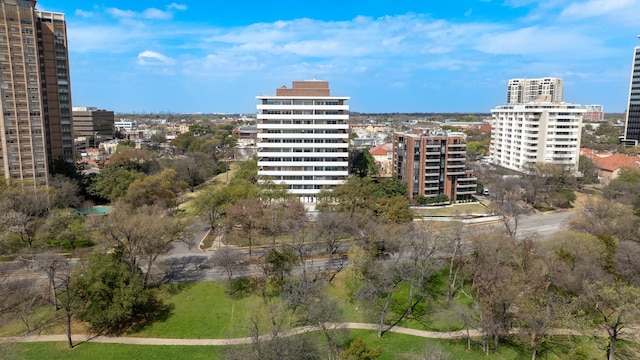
[
  {"x": 35, "y": 92},
  {"x": 521, "y": 91}
]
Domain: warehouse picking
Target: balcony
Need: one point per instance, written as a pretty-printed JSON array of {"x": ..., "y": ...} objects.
[
  {"x": 309, "y": 135},
  {"x": 261, "y": 116},
  {"x": 342, "y": 126},
  {"x": 455, "y": 165},
  {"x": 267, "y": 154},
  {"x": 303, "y": 107},
  {"x": 457, "y": 152},
  {"x": 466, "y": 192},
  {"x": 340, "y": 145},
  {"x": 456, "y": 172},
  {"x": 344, "y": 173},
  {"x": 266, "y": 163}
]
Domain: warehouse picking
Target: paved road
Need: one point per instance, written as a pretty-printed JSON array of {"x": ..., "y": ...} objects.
[
  {"x": 545, "y": 224},
  {"x": 189, "y": 263}
]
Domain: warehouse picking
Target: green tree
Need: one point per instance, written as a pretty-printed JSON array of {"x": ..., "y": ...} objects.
[
  {"x": 358, "y": 350},
  {"x": 125, "y": 145},
  {"x": 248, "y": 172},
  {"x": 588, "y": 169},
  {"x": 65, "y": 229},
  {"x": 109, "y": 297},
  {"x": 391, "y": 188},
  {"x": 280, "y": 262},
  {"x": 625, "y": 189},
  {"x": 212, "y": 203},
  {"x": 113, "y": 182},
  {"x": 132, "y": 159},
  {"x": 395, "y": 209},
  {"x": 363, "y": 164},
  {"x": 356, "y": 195},
  {"x": 161, "y": 188},
  {"x": 183, "y": 141},
  {"x": 476, "y": 149}
]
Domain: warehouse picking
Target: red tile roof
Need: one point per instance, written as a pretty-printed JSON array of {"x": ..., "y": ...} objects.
[
  {"x": 611, "y": 162},
  {"x": 382, "y": 149}
]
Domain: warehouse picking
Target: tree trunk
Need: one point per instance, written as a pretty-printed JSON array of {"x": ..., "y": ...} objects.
[
  {"x": 67, "y": 309},
  {"x": 611, "y": 349},
  {"x": 52, "y": 286},
  {"x": 450, "y": 285}
]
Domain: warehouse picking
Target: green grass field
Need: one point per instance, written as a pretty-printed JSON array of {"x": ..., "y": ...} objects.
[
  {"x": 394, "y": 346},
  {"x": 204, "y": 310},
  {"x": 452, "y": 210}
]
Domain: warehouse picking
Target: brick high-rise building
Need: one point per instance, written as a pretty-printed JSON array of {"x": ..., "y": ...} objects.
[
  {"x": 35, "y": 91},
  {"x": 303, "y": 138},
  {"x": 432, "y": 164}
]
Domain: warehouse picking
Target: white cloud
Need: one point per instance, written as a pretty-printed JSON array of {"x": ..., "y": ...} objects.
[
  {"x": 149, "y": 13},
  {"x": 177, "y": 6},
  {"x": 544, "y": 41},
  {"x": 121, "y": 13},
  {"x": 597, "y": 8},
  {"x": 149, "y": 57},
  {"x": 83, "y": 13}
]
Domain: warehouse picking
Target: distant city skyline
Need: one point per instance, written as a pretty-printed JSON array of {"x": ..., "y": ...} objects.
[{"x": 194, "y": 56}]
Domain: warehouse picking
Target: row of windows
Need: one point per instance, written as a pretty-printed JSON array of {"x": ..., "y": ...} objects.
[
  {"x": 305, "y": 141},
  {"x": 301, "y": 159},
  {"x": 302, "y": 102}
]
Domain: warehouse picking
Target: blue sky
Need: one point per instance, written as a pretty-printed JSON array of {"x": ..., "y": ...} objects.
[{"x": 388, "y": 56}]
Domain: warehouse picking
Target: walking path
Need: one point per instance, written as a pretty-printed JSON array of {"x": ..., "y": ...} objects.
[{"x": 80, "y": 338}]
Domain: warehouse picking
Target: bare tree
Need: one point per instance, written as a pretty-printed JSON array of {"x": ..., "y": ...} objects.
[
  {"x": 497, "y": 284},
  {"x": 247, "y": 215},
  {"x": 419, "y": 245},
  {"x": 229, "y": 260},
  {"x": 505, "y": 204},
  {"x": 330, "y": 229},
  {"x": 618, "y": 305},
  {"x": 453, "y": 240},
  {"x": 144, "y": 233}
]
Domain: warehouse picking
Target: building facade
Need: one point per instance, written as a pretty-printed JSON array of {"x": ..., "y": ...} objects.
[
  {"x": 534, "y": 90},
  {"x": 302, "y": 139},
  {"x": 526, "y": 134},
  {"x": 433, "y": 163},
  {"x": 93, "y": 122},
  {"x": 632, "y": 124},
  {"x": 36, "y": 127}
]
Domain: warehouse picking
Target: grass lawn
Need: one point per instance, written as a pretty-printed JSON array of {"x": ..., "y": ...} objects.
[
  {"x": 394, "y": 346},
  {"x": 452, "y": 210},
  {"x": 204, "y": 310},
  {"x": 47, "y": 350}
]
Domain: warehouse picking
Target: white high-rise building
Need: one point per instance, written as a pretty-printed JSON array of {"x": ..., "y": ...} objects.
[
  {"x": 545, "y": 132},
  {"x": 534, "y": 90},
  {"x": 303, "y": 138}
]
